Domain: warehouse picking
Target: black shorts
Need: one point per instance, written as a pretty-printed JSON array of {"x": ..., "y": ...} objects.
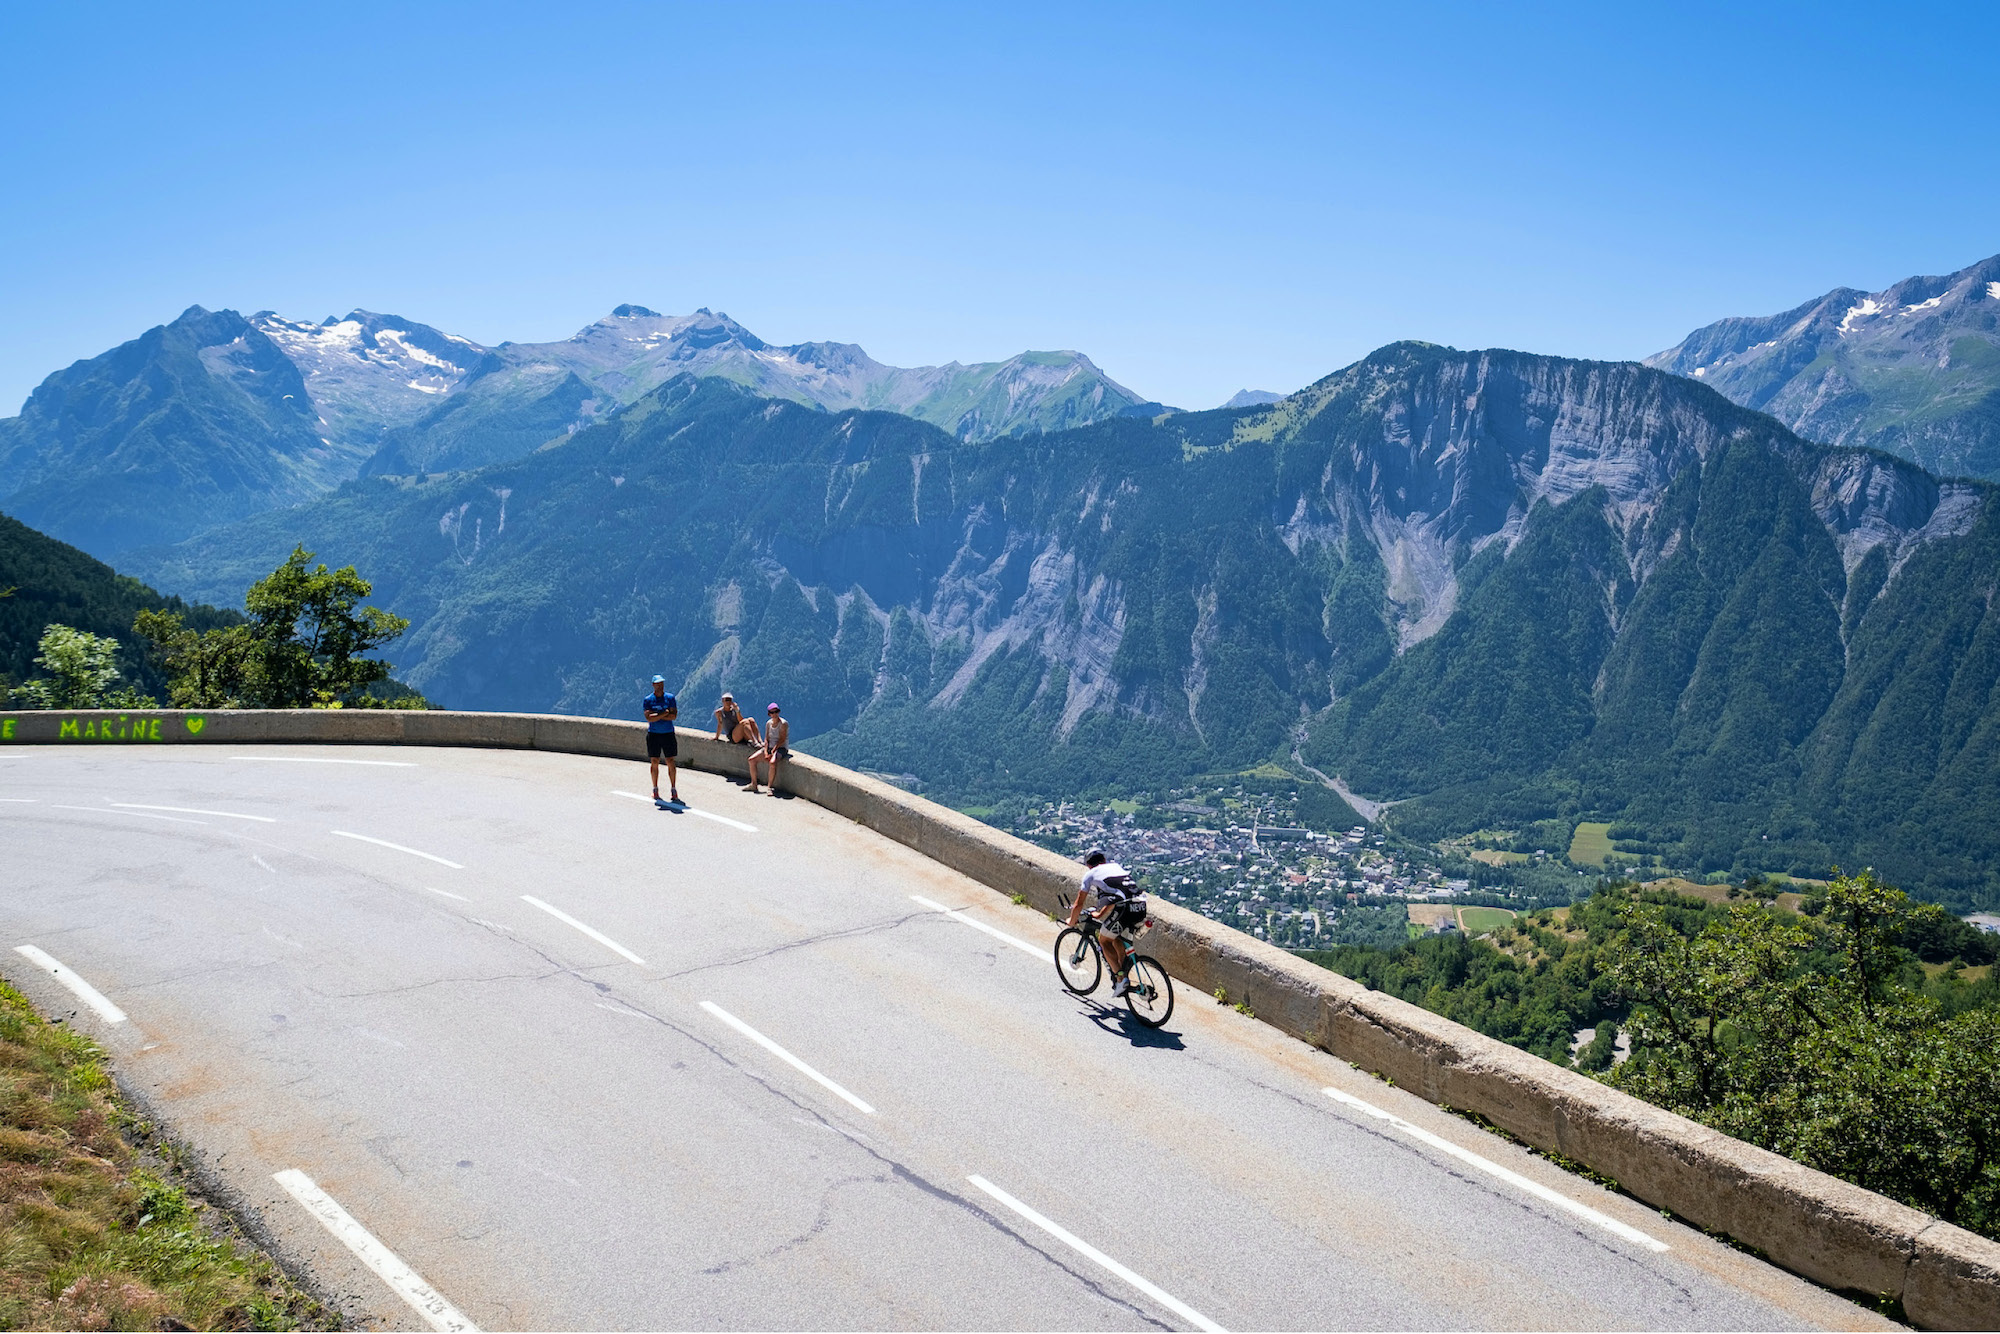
[
  {"x": 1126, "y": 919},
  {"x": 661, "y": 746}
]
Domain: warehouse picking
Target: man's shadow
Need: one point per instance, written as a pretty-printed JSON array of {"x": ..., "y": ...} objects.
[{"x": 1119, "y": 1021}]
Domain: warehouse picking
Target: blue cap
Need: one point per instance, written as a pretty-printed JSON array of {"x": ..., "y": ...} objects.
[{"x": 659, "y": 680}]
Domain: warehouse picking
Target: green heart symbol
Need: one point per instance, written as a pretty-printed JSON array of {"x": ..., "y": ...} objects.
[{"x": 194, "y": 725}]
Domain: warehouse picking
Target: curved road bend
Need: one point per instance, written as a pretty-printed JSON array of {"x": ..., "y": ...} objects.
[{"x": 578, "y": 1063}]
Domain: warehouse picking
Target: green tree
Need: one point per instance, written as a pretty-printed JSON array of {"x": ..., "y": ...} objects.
[
  {"x": 82, "y": 674},
  {"x": 309, "y": 633},
  {"x": 205, "y": 669},
  {"x": 301, "y": 647},
  {"x": 1800, "y": 1036}
]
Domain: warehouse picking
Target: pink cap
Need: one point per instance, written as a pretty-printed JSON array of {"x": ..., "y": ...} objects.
[{"x": 772, "y": 709}]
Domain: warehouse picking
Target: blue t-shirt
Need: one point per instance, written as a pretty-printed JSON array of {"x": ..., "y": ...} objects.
[{"x": 651, "y": 701}]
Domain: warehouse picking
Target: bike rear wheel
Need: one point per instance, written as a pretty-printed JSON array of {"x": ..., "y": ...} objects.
[
  {"x": 1078, "y": 963},
  {"x": 1151, "y": 996}
]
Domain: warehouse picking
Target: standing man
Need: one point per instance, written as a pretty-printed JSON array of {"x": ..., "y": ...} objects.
[
  {"x": 661, "y": 709},
  {"x": 777, "y": 733}
]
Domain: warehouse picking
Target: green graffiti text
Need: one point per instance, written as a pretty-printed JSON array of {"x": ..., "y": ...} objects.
[{"x": 125, "y": 728}]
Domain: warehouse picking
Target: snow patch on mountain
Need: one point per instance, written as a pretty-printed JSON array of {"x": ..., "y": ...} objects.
[
  {"x": 368, "y": 373},
  {"x": 1867, "y": 309}
]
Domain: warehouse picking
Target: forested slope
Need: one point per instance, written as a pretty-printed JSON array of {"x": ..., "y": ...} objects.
[{"x": 53, "y": 582}]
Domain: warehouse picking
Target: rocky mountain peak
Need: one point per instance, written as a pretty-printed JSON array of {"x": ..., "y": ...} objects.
[
  {"x": 369, "y": 373},
  {"x": 1913, "y": 368},
  {"x": 1251, "y": 398}
]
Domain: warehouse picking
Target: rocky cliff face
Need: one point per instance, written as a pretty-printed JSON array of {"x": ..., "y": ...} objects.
[
  {"x": 1913, "y": 369},
  {"x": 1493, "y": 582}
]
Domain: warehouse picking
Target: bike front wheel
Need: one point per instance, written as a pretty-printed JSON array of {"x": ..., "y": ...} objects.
[
  {"x": 1078, "y": 963},
  {"x": 1151, "y": 995}
]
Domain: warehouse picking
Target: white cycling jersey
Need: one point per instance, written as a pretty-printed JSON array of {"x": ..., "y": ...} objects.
[{"x": 1110, "y": 883}]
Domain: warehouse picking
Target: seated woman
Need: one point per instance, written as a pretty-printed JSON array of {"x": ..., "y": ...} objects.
[{"x": 731, "y": 725}]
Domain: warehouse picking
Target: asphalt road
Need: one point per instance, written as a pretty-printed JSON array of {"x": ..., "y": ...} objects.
[{"x": 516, "y": 1038}]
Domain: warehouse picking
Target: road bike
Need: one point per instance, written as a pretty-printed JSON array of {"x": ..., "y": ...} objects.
[{"x": 1080, "y": 966}]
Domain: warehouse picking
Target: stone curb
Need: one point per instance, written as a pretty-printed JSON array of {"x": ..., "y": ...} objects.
[{"x": 1816, "y": 1225}]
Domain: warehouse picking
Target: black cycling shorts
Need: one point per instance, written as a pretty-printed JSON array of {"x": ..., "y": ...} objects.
[
  {"x": 661, "y": 746},
  {"x": 1127, "y": 918}
]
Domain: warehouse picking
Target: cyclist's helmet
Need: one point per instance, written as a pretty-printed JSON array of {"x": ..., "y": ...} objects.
[{"x": 1094, "y": 858}]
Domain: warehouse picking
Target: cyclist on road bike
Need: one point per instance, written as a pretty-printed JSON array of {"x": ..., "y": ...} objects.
[{"x": 1117, "y": 910}]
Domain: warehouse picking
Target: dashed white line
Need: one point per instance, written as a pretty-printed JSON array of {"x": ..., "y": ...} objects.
[
  {"x": 1099, "y": 1258},
  {"x": 189, "y": 810},
  {"x": 785, "y": 1056},
  {"x": 953, "y": 913},
  {"x": 25, "y": 801},
  {"x": 1512, "y": 1178},
  {"x": 590, "y": 931},
  {"x": 444, "y": 893},
  {"x": 620, "y": 1009},
  {"x": 402, "y": 1280},
  {"x": 398, "y": 847},
  {"x": 691, "y": 810},
  {"x": 322, "y": 759},
  {"x": 143, "y": 815},
  {"x": 83, "y": 991}
]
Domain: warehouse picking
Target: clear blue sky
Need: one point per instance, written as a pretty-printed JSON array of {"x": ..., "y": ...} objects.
[{"x": 1199, "y": 197}]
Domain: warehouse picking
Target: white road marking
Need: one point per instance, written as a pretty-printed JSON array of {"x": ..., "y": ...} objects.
[
  {"x": 189, "y": 810},
  {"x": 26, "y": 801},
  {"x": 402, "y": 1279},
  {"x": 690, "y": 810},
  {"x": 1091, "y": 1253},
  {"x": 785, "y": 1056},
  {"x": 592, "y": 932},
  {"x": 1512, "y": 1178},
  {"x": 619, "y": 1009},
  {"x": 143, "y": 815},
  {"x": 321, "y": 759},
  {"x": 385, "y": 843},
  {"x": 83, "y": 991},
  {"x": 953, "y": 913},
  {"x": 261, "y": 862},
  {"x": 720, "y": 819},
  {"x": 445, "y": 893}
]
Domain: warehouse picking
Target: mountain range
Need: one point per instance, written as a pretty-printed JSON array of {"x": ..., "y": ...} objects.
[
  {"x": 1913, "y": 369},
  {"x": 1495, "y": 587},
  {"x": 215, "y": 416}
]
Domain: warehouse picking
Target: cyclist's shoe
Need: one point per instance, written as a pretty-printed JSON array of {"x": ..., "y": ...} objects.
[{"x": 1120, "y": 987}]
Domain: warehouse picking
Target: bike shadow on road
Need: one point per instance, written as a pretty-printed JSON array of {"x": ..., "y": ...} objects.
[{"x": 1119, "y": 1022}]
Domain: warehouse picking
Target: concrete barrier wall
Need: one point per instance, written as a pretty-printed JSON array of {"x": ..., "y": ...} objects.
[{"x": 1816, "y": 1225}]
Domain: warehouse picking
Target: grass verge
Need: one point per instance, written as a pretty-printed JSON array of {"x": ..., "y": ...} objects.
[{"x": 95, "y": 1235}]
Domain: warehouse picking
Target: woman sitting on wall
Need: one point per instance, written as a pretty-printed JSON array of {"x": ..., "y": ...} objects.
[{"x": 731, "y": 725}]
